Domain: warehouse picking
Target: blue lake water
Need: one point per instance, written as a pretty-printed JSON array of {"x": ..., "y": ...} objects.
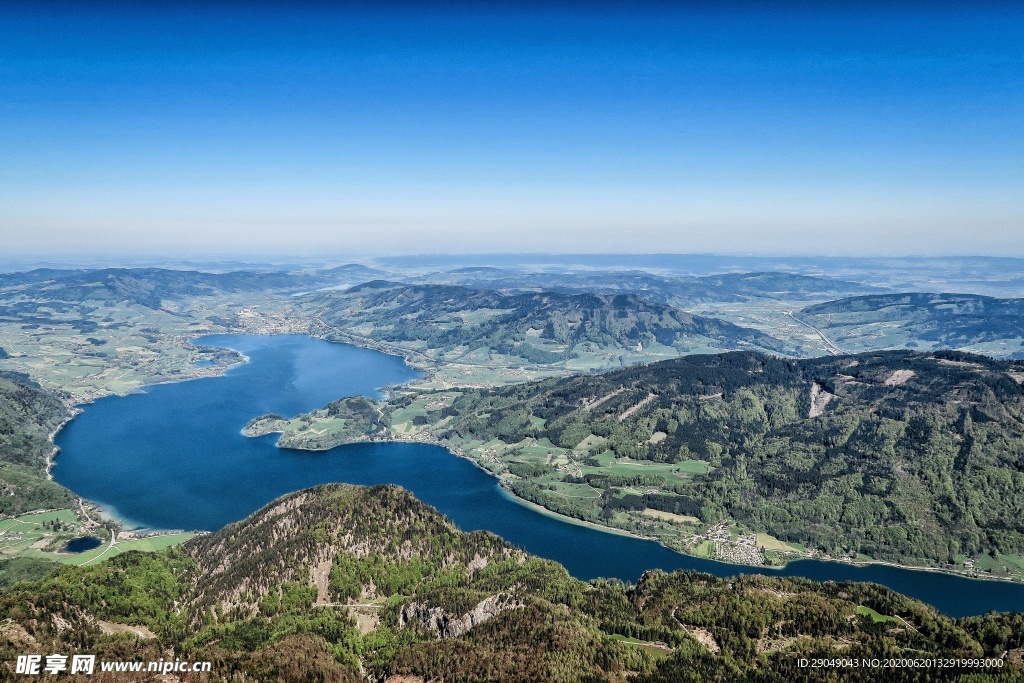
[
  {"x": 80, "y": 545},
  {"x": 173, "y": 457}
]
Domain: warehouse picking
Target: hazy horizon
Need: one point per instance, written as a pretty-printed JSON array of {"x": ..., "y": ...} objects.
[
  {"x": 269, "y": 131},
  {"x": 654, "y": 261}
]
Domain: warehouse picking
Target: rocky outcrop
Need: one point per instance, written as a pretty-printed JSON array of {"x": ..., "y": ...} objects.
[
  {"x": 819, "y": 399},
  {"x": 448, "y": 625}
]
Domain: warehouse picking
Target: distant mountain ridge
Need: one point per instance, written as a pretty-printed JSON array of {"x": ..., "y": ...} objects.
[
  {"x": 151, "y": 286},
  {"x": 942, "y": 320},
  {"x": 675, "y": 290},
  {"x": 542, "y": 327}
]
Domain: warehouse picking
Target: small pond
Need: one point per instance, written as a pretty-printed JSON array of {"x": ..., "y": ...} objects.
[{"x": 80, "y": 545}]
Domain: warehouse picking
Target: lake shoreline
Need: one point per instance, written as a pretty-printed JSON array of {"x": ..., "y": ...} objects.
[
  {"x": 273, "y": 384},
  {"x": 430, "y": 440},
  {"x": 75, "y": 409}
]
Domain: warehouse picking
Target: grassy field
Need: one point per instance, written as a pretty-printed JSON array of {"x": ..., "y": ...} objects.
[
  {"x": 38, "y": 534},
  {"x": 44, "y": 535},
  {"x": 671, "y": 517},
  {"x": 154, "y": 543},
  {"x": 875, "y": 616},
  {"x": 705, "y": 549},
  {"x": 32, "y": 520},
  {"x": 769, "y": 542},
  {"x": 555, "y": 472},
  {"x": 402, "y": 418},
  {"x": 769, "y": 316},
  {"x": 656, "y": 650},
  {"x": 130, "y": 346},
  {"x": 1000, "y": 565},
  {"x": 104, "y": 552}
]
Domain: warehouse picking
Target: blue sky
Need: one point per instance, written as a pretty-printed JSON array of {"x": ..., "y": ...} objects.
[{"x": 856, "y": 129}]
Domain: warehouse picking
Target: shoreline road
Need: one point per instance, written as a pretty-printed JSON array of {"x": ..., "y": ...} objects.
[
  {"x": 830, "y": 345},
  {"x": 113, "y": 540}
]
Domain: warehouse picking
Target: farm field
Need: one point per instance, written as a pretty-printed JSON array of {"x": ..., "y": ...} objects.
[
  {"x": 43, "y": 535},
  {"x": 149, "y": 544}
]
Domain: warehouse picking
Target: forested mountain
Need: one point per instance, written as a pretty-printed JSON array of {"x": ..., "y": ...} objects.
[
  {"x": 343, "y": 583},
  {"x": 911, "y": 457},
  {"x": 782, "y": 285},
  {"x": 540, "y": 327},
  {"x": 923, "y": 320},
  {"x": 353, "y": 272},
  {"x": 38, "y": 275},
  {"x": 28, "y": 415}
]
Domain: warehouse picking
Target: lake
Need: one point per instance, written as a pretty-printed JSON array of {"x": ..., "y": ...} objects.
[{"x": 173, "y": 457}]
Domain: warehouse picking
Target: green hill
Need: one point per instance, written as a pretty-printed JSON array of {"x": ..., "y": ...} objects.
[
  {"x": 343, "y": 583},
  {"x": 958, "y": 321},
  {"x": 536, "y": 327},
  {"x": 781, "y": 285},
  {"x": 909, "y": 457}
]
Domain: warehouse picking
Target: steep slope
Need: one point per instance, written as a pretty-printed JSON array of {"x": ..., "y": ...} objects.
[
  {"x": 302, "y": 534},
  {"x": 411, "y": 596},
  {"x": 28, "y": 415}
]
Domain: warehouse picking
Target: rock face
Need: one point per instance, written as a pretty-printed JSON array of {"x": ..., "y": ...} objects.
[
  {"x": 819, "y": 399},
  {"x": 449, "y": 626}
]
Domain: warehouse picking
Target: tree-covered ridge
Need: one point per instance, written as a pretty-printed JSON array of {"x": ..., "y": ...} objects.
[
  {"x": 339, "y": 422},
  {"x": 911, "y": 457},
  {"x": 149, "y": 287},
  {"x": 539, "y": 327},
  {"x": 924, "y": 320},
  {"x": 292, "y": 539},
  {"x": 672, "y": 290},
  {"x": 28, "y": 415},
  {"x": 285, "y": 595}
]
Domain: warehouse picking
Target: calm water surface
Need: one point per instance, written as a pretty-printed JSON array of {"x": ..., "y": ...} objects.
[
  {"x": 173, "y": 457},
  {"x": 80, "y": 545}
]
